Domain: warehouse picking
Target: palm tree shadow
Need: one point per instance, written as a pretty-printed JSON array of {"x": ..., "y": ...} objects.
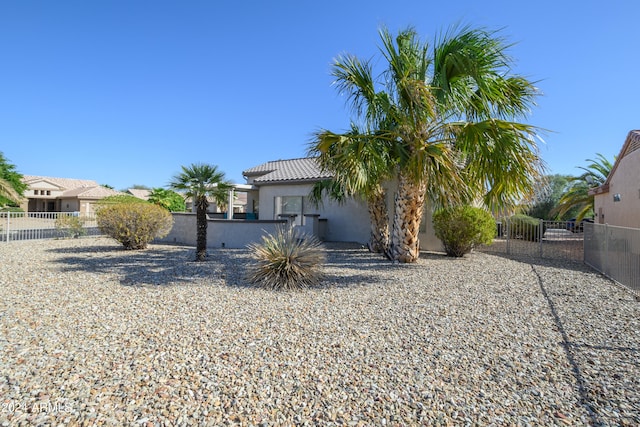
[{"x": 159, "y": 265}]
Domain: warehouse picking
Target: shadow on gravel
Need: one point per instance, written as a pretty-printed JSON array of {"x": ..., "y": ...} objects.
[
  {"x": 156, "y": 266},
  {"x": 166, "y": 265}
]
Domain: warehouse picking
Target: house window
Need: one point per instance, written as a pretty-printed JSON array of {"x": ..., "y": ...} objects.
[
  {"x": 289, "y": 205},
  {"x": 35, "y": 192},
  {"x": 48, "y": 192}
]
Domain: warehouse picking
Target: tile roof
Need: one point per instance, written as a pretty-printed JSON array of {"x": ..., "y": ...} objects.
[
  {"x": 65, "y": 183},
  {"x": 140, "y": 193},
  {"x": 96, "y": 192},
  {"x": 304, "y": 169},
  {"x": 83, "y": 188}
]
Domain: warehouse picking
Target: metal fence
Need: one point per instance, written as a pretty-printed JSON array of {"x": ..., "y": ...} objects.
[
  {"x": 543, "y": 239},
  {"x": 615, "y": 252},
  {"x": 46, "y": 225}
]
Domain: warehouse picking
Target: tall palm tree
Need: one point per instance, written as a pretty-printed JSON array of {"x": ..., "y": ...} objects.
[
  {"x": 446, "y": 114},
  {"x": 198, "y": 182},
  {"x": 359, "y": 163},
  {"x": 577, "y": 196}
]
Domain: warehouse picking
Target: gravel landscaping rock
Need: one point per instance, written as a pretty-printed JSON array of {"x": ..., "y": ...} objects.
[{"x": 91, "y": 334}]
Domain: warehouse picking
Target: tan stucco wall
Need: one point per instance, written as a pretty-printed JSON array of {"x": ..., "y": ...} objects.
[
  {"x": 626, "y": 182},
  {"x": 348, "y": 222},
  {"x": 234, "y": 234}
]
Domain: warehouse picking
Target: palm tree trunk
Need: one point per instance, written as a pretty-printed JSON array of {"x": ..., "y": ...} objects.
[
  {"x": 379, "y": 217},
  {"x": 409, "y": 206},
  {"x": 201, "y": 232}
]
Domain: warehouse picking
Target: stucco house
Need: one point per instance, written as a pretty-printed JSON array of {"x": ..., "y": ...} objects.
[
  {"x": 49, "y": 194},
  {"x": 281, "y": 189},
  {"x": 617, "y": 201}
]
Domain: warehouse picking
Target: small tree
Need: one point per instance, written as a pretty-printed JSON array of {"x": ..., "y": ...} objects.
[
  {"x": 462, "y": 228},
  {"x": 168, "y": 199},
  {"x": 198, "y": 182},
  {"x": 134, "y": 224}
]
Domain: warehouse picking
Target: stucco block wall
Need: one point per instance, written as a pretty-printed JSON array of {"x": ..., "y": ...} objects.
[
  {"x": 626, "y": 182},
  {"x": 235, "y": 234},
  {"x": 348, "y": 222}
]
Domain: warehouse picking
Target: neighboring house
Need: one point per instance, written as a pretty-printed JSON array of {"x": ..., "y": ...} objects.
[
  {"x": 282, "y": 190},
  {"x": 48, "y": 194},
  {"x": 140, "y": 193},
  {"x": 617, "y": 201},
  {"x": 238, "y": 195}
]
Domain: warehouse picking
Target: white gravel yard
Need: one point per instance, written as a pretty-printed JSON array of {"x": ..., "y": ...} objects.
[{"x": 94, "y": 335}]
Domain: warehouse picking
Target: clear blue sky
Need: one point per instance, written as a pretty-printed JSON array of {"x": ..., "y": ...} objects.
[{"x": 125, "y": 92}]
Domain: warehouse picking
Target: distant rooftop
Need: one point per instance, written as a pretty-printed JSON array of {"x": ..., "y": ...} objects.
[
  {"x": 71, "y": 187},
  {"x": 304, "y": 169}
]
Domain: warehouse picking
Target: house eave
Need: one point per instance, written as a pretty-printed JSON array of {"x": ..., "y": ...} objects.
[{"x": 604, "y": 188}]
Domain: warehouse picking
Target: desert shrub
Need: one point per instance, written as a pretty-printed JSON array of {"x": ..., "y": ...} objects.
[
  {"x": 70, "y": 225},
  {"x": 134, "y": 224},
  {"x": 286, "y": 260},
  {"x": 119, "y": 198},
  {"x": 462, "y": 228},
  {"x": 524, "y": 227}
]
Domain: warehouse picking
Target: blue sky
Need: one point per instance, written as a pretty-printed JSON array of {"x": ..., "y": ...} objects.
[{"x": 125, "y": 92}]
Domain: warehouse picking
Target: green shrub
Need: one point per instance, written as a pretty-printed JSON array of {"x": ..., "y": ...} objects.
[
  {"x": 70, "y": 225},
  {"x": 119, "y": 198},
  {"x": 286, "y": 260},
  {"x": 462, "y": 228},
  {"x": 524, "y": 227},
  {"x": 134, "y": 224}
]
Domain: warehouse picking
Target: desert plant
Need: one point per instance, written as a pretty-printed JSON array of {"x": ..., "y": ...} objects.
[
  {"x": 462, "y": 228},
  {"x": 70, "y": 225},
  {"x": 134, "y": 224},
  {"x": 168, "y": 199},
  {"x": 286, "y": 260},
  {"x": 119, "y": 198},
  {"x": 525, "y": 227},
  {"x": 199, "y": 182}
]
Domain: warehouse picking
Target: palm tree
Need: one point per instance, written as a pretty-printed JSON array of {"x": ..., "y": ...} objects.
[
  {"x": 445, "y": 115},
  {"x": 577, "y": 196},
  {"x": 359, "y": 163},
  {"x": 200, "y": 181}
]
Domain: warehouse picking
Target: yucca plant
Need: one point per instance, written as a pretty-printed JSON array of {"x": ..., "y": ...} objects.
[{"x": 286, "y": 260}]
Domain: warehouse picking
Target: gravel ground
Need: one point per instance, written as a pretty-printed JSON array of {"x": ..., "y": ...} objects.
[{"x": 94, "y": 335}]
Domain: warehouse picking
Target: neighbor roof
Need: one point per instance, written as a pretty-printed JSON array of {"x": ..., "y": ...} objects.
[
  {"x": 82, "y": 188},
  {"x": 140, "y": 193},
  {"x": 66, "y": 183},
  {"x": 631, "y": 144},
  {"x": 297, "y": 170}
]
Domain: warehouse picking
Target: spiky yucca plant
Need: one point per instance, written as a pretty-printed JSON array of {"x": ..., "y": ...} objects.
[{"x": 286, "y": 260}]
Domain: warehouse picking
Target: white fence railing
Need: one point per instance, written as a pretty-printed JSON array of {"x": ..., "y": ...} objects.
[
  {"x": 615, "y": 252},
  {"x": 46, "y": 225}
]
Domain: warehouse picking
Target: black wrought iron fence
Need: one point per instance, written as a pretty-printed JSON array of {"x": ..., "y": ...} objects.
[{"x": 543, "y": 239}]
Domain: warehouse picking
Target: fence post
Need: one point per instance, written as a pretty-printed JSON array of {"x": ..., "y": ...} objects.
[
  {"x": 8, "y": 224},
  {"x": 508, "y": 228},
  {"x": 540, "y": 235},
  {"x": 605, "y": 268}
]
